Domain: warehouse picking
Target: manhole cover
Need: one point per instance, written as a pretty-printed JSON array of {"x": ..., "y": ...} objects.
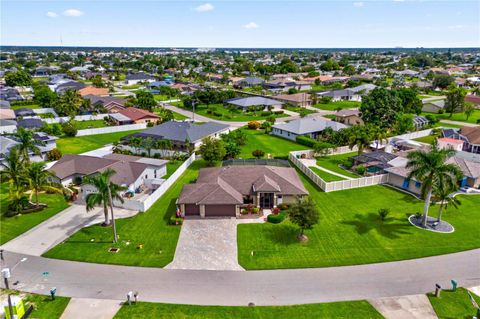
[{"x": 114, "y": 250}]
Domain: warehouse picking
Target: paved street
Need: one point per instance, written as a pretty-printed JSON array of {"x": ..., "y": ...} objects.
[
  {"x": 53, "y": 231},
  {"x": 208, "y": 244},
  {"x": 268, "y": 287}
]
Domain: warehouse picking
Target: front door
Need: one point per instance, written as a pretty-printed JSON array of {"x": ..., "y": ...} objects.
[{"x": 266, "y": 200}]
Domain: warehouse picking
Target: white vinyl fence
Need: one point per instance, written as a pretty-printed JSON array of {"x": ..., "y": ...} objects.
[
  {"x": 333, "y": 186},
  {"x": 150, "y": 200},
  {"x": 79, "y": 118},
  {"x": 413, "y": 135},
  {"x": 111, "y": 129}
]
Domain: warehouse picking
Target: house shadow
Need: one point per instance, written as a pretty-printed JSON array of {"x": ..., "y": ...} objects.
[
  {"x": 391, "y": 228},
  {"x": 171, "y": 209}
]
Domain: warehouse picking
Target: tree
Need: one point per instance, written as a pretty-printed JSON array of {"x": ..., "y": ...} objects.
[
  {"x": 69, "y": 103},
  {"x": 45, "y": 97},
  {"x": 329, "y": 65},
  {"x": 349, "y": 69},
  {"x": 26, "y": 144},
  {"x": 442, "y": 191},
  {"x": 455, "y": 100},
  {"x": 258, "y": 153},
  {"x": 54, "y": 154},
  {"x": 442, "y": 81},
  {"x": 323, "y": 148},
  {"x": 381, "y": 107},
  {"x": 17, "y": 201},
  {"x": 38, "y": 179},
  {"x": 145, "y": 100},
  {"x": 429, "y": 167},
  {"x": 359, "y": 137},
  {"x": 304, "y": 214},
  {"x": 253, "y": 125},
  {"x": 166, "y": 115},
  {"x": 232, "y": 150},
  {"x": 19, "y": 78},
  {"x": 379, "y": 136},
  {"x": 69, "y": 128},
  {"x": 212, "y": 150},
  {"x": 404, "y": 124},
  {"x": 468, "y": 109},
  {"x": 14, "y": 169},
  {"x": 147, "y": 144},
  {"x": 410, "y": 101},
  {"x": 136, "y": 143},
  {"x": 106, "y": 191},
  {"x": 98, "y": 82}
]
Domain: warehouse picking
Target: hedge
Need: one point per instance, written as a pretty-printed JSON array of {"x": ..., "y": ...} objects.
[
  {"x": 278, "y": 218},
  {"x": 307, "y": 141}
]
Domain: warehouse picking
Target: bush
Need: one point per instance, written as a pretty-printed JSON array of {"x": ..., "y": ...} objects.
[
  {"x": 348, "y": 163},
  {"x": 278, "y": 218},
  {"x": 265, "y": 113},
  {"x": 325, "y": 99},
  {"x": 275, "y": 211},
  {"x": 278, "y": 112},
  {"x": 150, "y": 124},
  {"x": 54, "y": 155},
  {"x": 305, "y": 140},
  {"x": 253, "y": 125},
  {"x": 175, "y": 221},
  {"x": 361, "y": 169},
  {"x": 383, "y": 213},
  {"x": 69, "y": 129},
  {"x": 216, "y": 113},
  {"x": 283, "y": 206},
  {"x": 258, "y": 153}
]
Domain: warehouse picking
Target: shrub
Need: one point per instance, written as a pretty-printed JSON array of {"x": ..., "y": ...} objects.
[
  {"x": 305, "y": 140},
  {"x": 216, "y": 113},
  {"x": 325, "y": 99},
  {"x": 278, "y": 112},
  {"x": 54, "y": 155},
  {"x": 277, "y": 219},
  {"x": 253, "y": 125},
  {"x": 255, "y": 210},
  {"x": 383, "y": 213},
  {"x": 348, "y": 163},
  {"x": 361, "y": 169},
  {"x": 175, "y": 221},
  {"x": 275, "y": 210},
  {"x": 258, "y": 153},
  {"x": 283, "y": 206},
  {"x": 265, "y": 113},
  {"x": 69, "y": 129},
  {"x": 150, "y": 124}
]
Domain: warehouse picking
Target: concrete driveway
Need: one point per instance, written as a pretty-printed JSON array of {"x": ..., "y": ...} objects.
[
  {"x": 207, "y": 244},
  {"x": 54, "y": 230}
]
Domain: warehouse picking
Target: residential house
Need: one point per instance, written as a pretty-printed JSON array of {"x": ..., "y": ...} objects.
[
  {"x": 132, "y": 79},
  {"x": 10, "y": 94},
  {"x": 248, "y": 82},
  {"x": 46, "y": 70},
  {"x": 69, "y": 85},
  {"x": 470, "y": 135},
  {"x": 139, "y": 116},
  {"x": 135, "y": 173},
  {"x": 120, "y": 119},
  {"x": 434, "y": 106},
  {"x": 446, "y": 143},
  {"x": 24, "y": 112},
  {"x": 223, "y": 191},
  {"x": 297, "y": 99},
  {"x": 4, "y": 104},
  {"x": 110, "y": 103},
  {"x": 91, "y": 90},
  {"x": 30, "y": 123},
  {"x": 43, "y": 141},
  {"x": 245, "y": 102},
  {"x": 310, "y": 126},
  {"x": 183, "y": 135},
  {"x": 473, "y": 99},
  {"x": 8, "y": 126},
  {"x": 7, "y": 114},
  {"x": 341, "y": 95},
  {"x": 349, "y": 117},
  {"x": 283, "y": 85}
]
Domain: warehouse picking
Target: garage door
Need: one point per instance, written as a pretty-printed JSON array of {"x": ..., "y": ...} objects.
[
  {"x": 192, "y": 210},
  {"x": 220, "y": 211}
]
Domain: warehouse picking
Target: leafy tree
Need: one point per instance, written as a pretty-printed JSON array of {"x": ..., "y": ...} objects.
[
  {"x": 455, "y": 100},
  {"x": 45, "y": 97},
  {"x": 253, "y": 125},
  {"x": 136, "y": 143},
  {"x": 349, "y": 69},
  {"x": 468, "y": 109},
  {"x": 380, "y": 107},
  {"x": 404, "y": 124},
  {"x": 19, "y": 78},
  {"x": 410, "y": 101},
  {"x": 69, "y": 103},
  {"x": 212, "y": 150},
  {"x": 69, "y": 128},
  {"x": 106, "y": 192},
  {"x": 98, "y": 82},
  {"x": 304, "y": 214},
  {"x": 145, "y": 100},
  {"x": 165, "y": 114},
  {"x": 329, "y": 65},
  {"x": 232, "y": 150},
  {"x": 26, "y": 144},
  {"x": 54, "y": 154},
  {"x": 360, "y": 137},
  {"x": 323, "y": 148},
  {"x": 429, "y": 167},
  {"x": 13, "y": 169},
  {"x": 258, "y": 153},
  {"x": 38, "y": 179},
  {"x": 442, "y": 81}
]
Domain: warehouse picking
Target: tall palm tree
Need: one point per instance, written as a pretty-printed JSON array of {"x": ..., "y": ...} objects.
[
  {"x": 106, "y": 192},
  {"x": 70, "y": 102},
  {"x": 38, "y": 179},
  {"x": 27, "y": 143},
  {"x": 430, "y": 168},
  {"x": 379, "y": 135},
  {"x": 14, "y": 169},
  {"x": 135, "y": 142},
  {"x": 148, "y": 143},
  {"x": 359, "y": 137},
  {"x": 443, "y": 193}
]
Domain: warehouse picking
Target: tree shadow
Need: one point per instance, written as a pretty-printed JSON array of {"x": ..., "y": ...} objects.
[
  {"x": 283, "y": 234},
  {"x": 391, "y": 228}
]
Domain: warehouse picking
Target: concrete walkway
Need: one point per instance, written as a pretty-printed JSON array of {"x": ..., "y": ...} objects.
[
  {"x": 458, "y": 123},
  {"x": 313, "y": 162},
  {"x": 85, "y": 308},
  {"x": 207, "y": 244},
  {"x": 405, "y": 307},
  {"x": 475, "y": 290},
  {"x": 54, "y": 230}
]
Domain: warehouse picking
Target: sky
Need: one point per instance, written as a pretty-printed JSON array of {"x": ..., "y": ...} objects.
[{"x": 242, "y": 24}]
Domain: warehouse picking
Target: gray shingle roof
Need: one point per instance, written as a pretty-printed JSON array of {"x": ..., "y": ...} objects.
[
  {"x": 181, "y": 131},
  {"x": 308, "y": 125},
  {"x": 253, "y": 100}
]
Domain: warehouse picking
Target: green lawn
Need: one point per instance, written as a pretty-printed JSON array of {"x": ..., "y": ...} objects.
[
  {"x": 460, "y": 117},
  {"x": 327, "y": 177},
  {"x": 453, "y": 304},
  {"x": 44, "y": 307},
  {"x": 298, "y": 109},
  {"x": 82, "y": 144},
  {"x": 332, "y": 163},
  {"x": 332, "y": 106},
  {"x": 11, "y": 227},
  {"x": 28, "y": 106},
  {"x": 131, "y": 87},
  {"x": 178, "y": 116},
  {"x": 277, "y": 146},
  {"x": 149, "y": 228},
  {"x": 172, "y": 167},
  {"x": 81, "y": 125},
  {"x": 159, "y": 97},
  {"x": 350, "y": 309},
  {"x": 226, "y": 115},
  {"x": 350, "y": 231},
  {"x": 426, "y": 139}
]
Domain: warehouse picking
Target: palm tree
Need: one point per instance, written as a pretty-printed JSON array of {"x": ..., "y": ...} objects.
[
  {"x": 135, "y": 142},
  {"x": 27, "y": 143},
  {"x": 359, "y": 137},
  {"x": 70, "y": 102},
  {"x": 443, "y": 195},
  {"x": 379, "y": 135},
  {"x": 148, "y": 143},
  {"x": 430, "y": 168},
  {"x": 38, "y": 179},
  {"x": 14, "y": 169},
  {"x": 106, "y": 192},
  {"x": 17, "y": 201}
]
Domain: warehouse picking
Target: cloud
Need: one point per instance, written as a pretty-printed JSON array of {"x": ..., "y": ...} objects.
[
  {"x": 204, "y": 7},
  {"x": 250, "y": 25},
  {"x": 52, "y": 14},
  {"x": 358, "y": 4},
  {"x": 73, "y": 13}
]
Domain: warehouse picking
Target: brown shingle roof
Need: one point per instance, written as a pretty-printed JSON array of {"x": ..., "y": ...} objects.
[
  {"x": 472, "y": 133},
  {"x": 136, "y": 114}
]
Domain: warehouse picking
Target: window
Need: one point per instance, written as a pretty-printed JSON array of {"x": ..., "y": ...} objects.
[
  {"x": 418, "y": 184},
  {"x": 146, "y": 176}
]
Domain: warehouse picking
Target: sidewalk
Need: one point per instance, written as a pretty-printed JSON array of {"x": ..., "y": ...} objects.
[
  {"x": 53, "y": 231},
  {"x": 83, "y": 308},
  {"x": 405, "y": 307},
  {"x": 459, "y": 123}
]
